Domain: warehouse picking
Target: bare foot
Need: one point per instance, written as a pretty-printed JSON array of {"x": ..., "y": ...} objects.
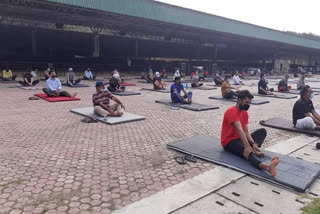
[
  {"x": 274, "y": 162},
  {"x": 74, "y": 94}
]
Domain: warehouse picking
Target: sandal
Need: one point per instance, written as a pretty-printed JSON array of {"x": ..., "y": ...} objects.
[
  {"x": 180, "y": 159},
  {"x": 190, "y": 158},
  {"x": 34, "y": 98},
  {"x": 89, "y": 120},
  {"x": 318, "y": 146}
]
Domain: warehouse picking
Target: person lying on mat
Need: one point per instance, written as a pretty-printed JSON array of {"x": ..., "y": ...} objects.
[
  {"x": 54, "y": 88},
  {"x": 283, "y": 84},
  {"x": 175, "y": 91},
  {"x": 263, "y": 86},
  {"x": 235, "y": 137},
  {"x": 71, "y": 78},
  {"x": 304, "y": 115},
  {"x": 28, "y": 80},
  {"x": 7, "y": 75},
  {"x": 217, "y": 79},
  {"x": 157, "y": 82},
  {"x": 195, "y": 80},
  {"x": 88, "y": 75},
  {"x": 115, "y": 84},
  {"x": 101, "y": 102},
  {"x": 226, "y": 89},
  {"x": 301, "y": 83}
]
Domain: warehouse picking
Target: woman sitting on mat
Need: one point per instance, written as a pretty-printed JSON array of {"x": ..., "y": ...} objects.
[
  {"x": 175, "y": 91},
  {"x": 226, "y": 89},
  {"x": 157, "y": 82},
  {"x": 235, "y": 137}
]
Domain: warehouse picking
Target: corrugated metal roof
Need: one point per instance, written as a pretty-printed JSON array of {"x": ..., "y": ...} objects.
[{"x": 152, "y": 10}]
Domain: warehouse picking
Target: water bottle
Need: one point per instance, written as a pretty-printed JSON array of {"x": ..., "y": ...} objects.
[{"x": 187, "y": 86}]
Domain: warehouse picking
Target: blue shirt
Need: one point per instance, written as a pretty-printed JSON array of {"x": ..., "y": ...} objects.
[
  {"x": 53, "y": 84},
  {"x": 179, "y": 88}
]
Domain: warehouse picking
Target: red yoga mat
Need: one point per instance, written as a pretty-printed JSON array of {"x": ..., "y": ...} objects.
[
  {"x": 127, "y": 84},
  {"x": 56, "y": 99}
]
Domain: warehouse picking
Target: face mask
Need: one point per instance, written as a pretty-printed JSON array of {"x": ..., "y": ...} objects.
[
  {"x": 53, "y": 76},
  {"x": 244, "y": 107},
  {"x": 103, "y": 90},
  {"x": 311, "y": 95}
]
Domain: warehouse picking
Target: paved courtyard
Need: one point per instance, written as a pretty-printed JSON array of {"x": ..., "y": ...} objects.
[{"x": 51, "y": 162}]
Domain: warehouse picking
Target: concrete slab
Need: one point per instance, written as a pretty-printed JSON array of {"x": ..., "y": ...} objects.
[
  {"x": 315, "y": 189},
  {"x": 308, "y": 153},
  {"x": 263, "y": 197},
  {"x": 213, "y": 203},
  {"x": 177, "y": 196}
]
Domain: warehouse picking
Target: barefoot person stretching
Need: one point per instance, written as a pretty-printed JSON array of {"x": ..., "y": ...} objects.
[
  {"x": 236, "y": 139},
  {"x": 101, "y": 102}
]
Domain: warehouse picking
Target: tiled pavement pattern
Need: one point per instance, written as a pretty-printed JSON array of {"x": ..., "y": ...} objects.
[{"x": 50, "y": 162}]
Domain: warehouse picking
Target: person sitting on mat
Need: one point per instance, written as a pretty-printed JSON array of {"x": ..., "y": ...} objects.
[
  {"x": 176, "y": 74},
  {"x": 175, "y": 91},
  {"x": 164, "y": 74},
  {"x": 54, "y": 88},
  {"x": 46, "y": 73},
  {"x": 7, "y": 75},
  {"x": 235, "y": 137},
  {"x": 217, "y": 79},
  {"x": 304, "y": 115},
  {"x": 28, "y": 80},
  {"x": 301, "y": 83},
  {"x": 195, "y": 80},
  {"x": 263, "y": 86},
  {"x": 237, "y": 80},
  {"x": 157, "y": 82},
  {"x": 88, "y": 75},
  {"x": 114, "y": 84},
  {"x": 101, "y": 102},
  {"x": 226, "y": 89},
  {"x": 71, "y": 78},
  {"x": 283, "y": 84}
]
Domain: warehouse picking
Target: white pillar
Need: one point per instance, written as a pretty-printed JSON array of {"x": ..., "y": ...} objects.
[{"x": 96, "y": 45}]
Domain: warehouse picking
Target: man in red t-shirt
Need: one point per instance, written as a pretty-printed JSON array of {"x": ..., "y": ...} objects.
[{"x": 236, "y": 139}]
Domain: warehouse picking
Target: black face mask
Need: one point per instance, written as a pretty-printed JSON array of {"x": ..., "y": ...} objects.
[{"x": 244, "y": 107}]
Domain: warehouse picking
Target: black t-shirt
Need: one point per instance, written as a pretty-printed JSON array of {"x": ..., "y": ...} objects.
[
  {"x": 114, "y": 82},
  {"x": 28, "y": 76},
  {"x": 156, "y": 79},
  {"x": 283, "y": 83},
  {"x": 263, "y": 84},
  {"x": 300, "y": 109}
]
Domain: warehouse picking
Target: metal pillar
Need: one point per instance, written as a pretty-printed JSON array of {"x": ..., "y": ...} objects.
[{"x": 96, "y": 45}]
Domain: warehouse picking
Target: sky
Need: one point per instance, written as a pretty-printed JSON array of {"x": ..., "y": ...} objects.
[{"x": 300, "y": 16}]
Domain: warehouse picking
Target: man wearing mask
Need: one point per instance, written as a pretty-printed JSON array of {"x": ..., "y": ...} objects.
[
  {"x": 263, "y": 86},
  {"x": 235, "y": 137},
  {"x": 304, "y": 115},
  {"x": 101, "y": 102},
  {"x": 175, "y": 91},
  {"x": 226, "y": 89},
  {"x": 71, "y": 78},
  {"x": 54, "y": 88},
  {"x": 283, "y": 84}
]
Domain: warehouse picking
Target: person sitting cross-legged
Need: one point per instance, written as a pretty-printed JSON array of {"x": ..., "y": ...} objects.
[
  {"x": 217, "y": 79},
  {"x": 28, "y": 80},
  {"x": 115, "y": 84},
  {"x": 88, "y": 75},
  {"x": 157, "y": 82},
  {"x": 226, "y": 89},
  {"x": 304, "y": 115},
  {"x": 7, "y": 75},
  {"x": 101, "y": 102},
  {"x": 235, "y": 137},
  {"x": 283, "y": 84},
  {"x": 237, "y": 80},
  {"x": 301, "y": 83},
  {"x": 54, "y": 88},
  {"x": 71, "y": 78},
  {"x": 195, "y": 80},
  {"x": 175, "y": 91},
  {"x": 263, "y": 86}
]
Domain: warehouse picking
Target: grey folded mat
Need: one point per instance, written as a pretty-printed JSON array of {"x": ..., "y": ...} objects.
[
  {"x": 126, "y": 117},
  {"x": 203, "y": 88},
  {"x": 280, "y": 96},
  {"x": 156, "y": 90},
  {"x": 9, "y": 81},
  {"x": 192, "y": 107},
  {"x": 291, "y": 172},
  {"x": 285, "y": 124},
  {"x": 79, "y": 85},
  {"x": 253, "y": 102},
  {"x": 30, "y": 87},
  {"x": 293, "y": 92},
  {"x": 126, "y": 93}
]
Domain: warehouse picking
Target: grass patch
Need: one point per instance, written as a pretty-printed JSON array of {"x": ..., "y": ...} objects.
[{"x": 313, "y": 207}]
